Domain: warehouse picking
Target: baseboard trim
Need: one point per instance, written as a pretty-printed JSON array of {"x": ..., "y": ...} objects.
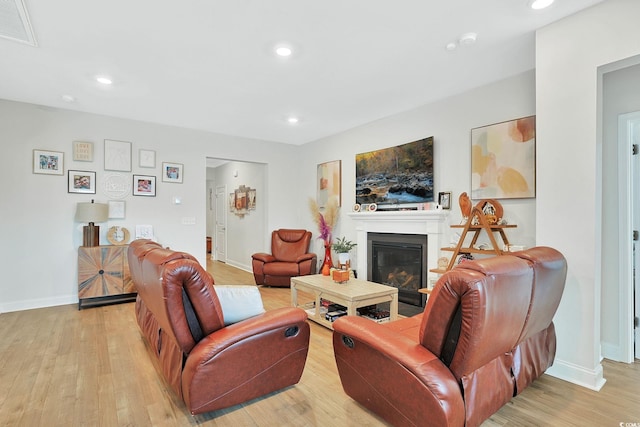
[
  {"x": 590, "y": 378},
  {"x": 38, "y": 303}
]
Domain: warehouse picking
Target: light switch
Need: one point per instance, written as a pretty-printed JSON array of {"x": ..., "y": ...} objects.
[{"x": 188, "y": 220}]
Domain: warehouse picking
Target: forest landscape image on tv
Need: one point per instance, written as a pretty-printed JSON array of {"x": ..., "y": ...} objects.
[{"x": 397, "y": 175}]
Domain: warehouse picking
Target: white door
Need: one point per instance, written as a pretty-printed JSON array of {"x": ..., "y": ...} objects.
[
  {"x": 220, "y": 242},
  {"x": 629, "y": 183},
  {"x": 635, "y": 215}
]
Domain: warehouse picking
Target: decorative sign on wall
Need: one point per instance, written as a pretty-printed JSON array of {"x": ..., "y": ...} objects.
[{"x": 242, "y": 200}]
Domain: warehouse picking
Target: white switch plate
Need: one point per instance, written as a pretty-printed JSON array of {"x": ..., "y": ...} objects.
[{"x": 188, "y": 220}]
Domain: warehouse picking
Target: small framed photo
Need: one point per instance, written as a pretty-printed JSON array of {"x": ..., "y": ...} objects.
[
  {"x": 116, "y": 209},
  {"x": 147, "y": 158},
  {"x": 444, "y": 199},
  {"x": 144, "y": 185},
  {"x": 48, "y": 162},
  {"x": 172, "y": 172},
  {"x": 83, "y": 182},
  {"x": 82, "y": 151},
  {"x": 117, "y": 155}
]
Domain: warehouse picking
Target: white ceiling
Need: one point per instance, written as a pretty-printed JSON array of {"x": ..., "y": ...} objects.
[{"x": 209, "y": 64}]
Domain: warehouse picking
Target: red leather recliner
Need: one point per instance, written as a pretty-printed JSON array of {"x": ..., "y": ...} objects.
[
  {"x": 289, "y": 257},
  {"x": 208, "y": 365},
  {"x": 485, "y": 334}
]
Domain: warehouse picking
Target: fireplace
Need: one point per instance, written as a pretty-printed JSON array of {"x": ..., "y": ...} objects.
[{"x": 399, "y": 260}]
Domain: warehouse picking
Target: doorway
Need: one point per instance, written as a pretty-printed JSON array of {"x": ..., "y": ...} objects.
[{"x": 220, "y": 246}]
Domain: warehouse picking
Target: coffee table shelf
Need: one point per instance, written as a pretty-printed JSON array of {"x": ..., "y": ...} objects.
[{"x": 353, "y": 294}]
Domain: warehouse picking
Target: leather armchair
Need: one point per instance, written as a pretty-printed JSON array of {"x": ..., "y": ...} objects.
[
  {"x": 208, "y": 363},
  {"x": 289, "y": 257},
  {"x": 485, "y": 334}
]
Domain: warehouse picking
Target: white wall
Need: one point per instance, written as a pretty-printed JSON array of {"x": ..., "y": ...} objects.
[
  {"x": 450, "y": 122},
  {"x": 569, "y": 215},
  {"x": 39, "y": 236}
]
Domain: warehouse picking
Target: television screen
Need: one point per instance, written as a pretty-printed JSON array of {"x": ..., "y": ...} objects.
[{"x": 397, "y": 175}]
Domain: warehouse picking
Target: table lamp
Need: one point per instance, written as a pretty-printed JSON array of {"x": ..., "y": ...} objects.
[{"x": 91, "y": 213}]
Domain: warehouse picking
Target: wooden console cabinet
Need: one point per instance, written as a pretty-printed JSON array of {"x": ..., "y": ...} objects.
[{"x": 103, "y": 276}]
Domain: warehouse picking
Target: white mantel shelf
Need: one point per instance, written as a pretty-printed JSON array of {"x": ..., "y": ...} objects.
[{"x": 433, "y": 223}]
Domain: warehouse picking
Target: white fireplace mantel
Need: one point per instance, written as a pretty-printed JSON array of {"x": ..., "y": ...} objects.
[{"x": 433, "y": 223}]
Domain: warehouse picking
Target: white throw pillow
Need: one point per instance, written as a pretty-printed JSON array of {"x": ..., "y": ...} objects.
[{"x": 239, "y": 302}]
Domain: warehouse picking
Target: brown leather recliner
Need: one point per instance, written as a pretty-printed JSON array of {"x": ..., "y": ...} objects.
[
  {"x": 485, "y": 334},
  {"x": 208, "y": 365},
  {"x": 289, "y": 257}
]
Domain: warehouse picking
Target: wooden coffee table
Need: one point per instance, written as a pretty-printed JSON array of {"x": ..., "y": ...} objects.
[{"x": 352, "y": 294}]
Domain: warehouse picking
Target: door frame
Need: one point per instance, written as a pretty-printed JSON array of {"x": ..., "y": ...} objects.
[
  {"x": 625, "y": 229},
  {"x": 220, "y": 202}
]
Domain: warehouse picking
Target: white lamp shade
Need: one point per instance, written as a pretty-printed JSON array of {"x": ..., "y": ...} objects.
[{"x": 92, "y": 212}]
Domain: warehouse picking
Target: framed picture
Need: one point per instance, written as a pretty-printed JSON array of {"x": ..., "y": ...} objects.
[
  {"x": 82, "y": 182},
  {"x": 172, "y": 172},
  {"x": 147, "y": 159},
  {"x": 117, "y": 155},
  {"x": 329, "y": 182},
  {"x": 48, "y": 162},
  {"x": 444, "y": 199},
  {"x": 116, "y": 209},
  {"x": 503, "y": 160},
  {"x": 144, "y": 185},
  {"x": 82, "y": 151}
]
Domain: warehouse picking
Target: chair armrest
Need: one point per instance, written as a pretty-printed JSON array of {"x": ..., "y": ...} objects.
[
  {"x": 372, "y": 358},
  {"x": 261, "y": 256},
  {"x": 239, "y": 302},
  {"x": 409, "y": 353},
  {"x": 305, "y": 257},
  {"x": 241, "y": 361}
]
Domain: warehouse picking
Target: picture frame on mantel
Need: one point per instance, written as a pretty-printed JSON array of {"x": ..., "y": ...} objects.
[
  {"x": 503, "y": 160},
  {"x": 329, "y": 182}
]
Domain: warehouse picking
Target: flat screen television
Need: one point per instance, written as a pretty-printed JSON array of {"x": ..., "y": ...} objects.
[{"x": 396, "y": 177}]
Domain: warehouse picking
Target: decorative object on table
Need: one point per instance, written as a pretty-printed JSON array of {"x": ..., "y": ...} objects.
[
  {"x": 242, "y": 200},
  {"x": 82, "y": 151},
  {"x": 342, "y": 246},
  {"x": 340, "y": 276},
  {"x": 325, "y": 221},
  {"x": 356, "y": 207},
  {"x": 117, "y": 155},
  {"x": 172, "y": 172},
  {"x": 465, "y": 205},
  {"x": 146, "y": 158},
  {"x": 397, "y": 175},
  {"x": 116, "y": 209},
  {"x": 503, "y": 160},
  {"x": 144, "y": 185},
  {"x": 82, "y": 182},
  {"x": 329, "y": 182},
  {"x": 443, "y": 262},
  {"x": 444, "y": 199},
  {"x": 118, "y": 235},
  {"x": 372, "y": 207},
  {"x": 91, "y": 213},
  {"x": 48, "y": 162},
  {"x": 464, "y": 257}
]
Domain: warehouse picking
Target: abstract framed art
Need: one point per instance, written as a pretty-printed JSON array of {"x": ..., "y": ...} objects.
[
  {"x": 329, "y": 182},
  {"x": 503, "y": 160}
]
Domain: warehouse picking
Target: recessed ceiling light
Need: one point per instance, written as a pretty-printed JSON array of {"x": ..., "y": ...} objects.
[
  {"x": 68, "y": 98},
  {"x": 540, "y": 4},
  {"x": 283, "y": 51},
  {"x": 104, "y": 80},
  {"x": 293, "y": 120},
  {"x": 451, "y": 46},
  {"x": 467, "y": 39}
]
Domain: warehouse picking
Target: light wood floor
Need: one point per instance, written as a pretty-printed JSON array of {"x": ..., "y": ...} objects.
[{"x": 64, "y": 367}]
